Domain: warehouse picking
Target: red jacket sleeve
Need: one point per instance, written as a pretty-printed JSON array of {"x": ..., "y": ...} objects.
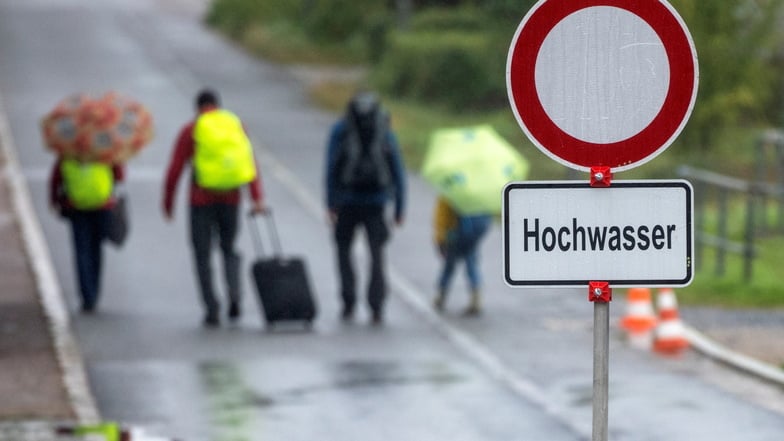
[
  {"x": 256, "y": 192},
  {"x": 183, "y": 151},
  {"x": 118, "y": 170}
]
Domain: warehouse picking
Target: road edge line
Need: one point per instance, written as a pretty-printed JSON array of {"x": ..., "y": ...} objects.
[{"x": 39, "y": 258}]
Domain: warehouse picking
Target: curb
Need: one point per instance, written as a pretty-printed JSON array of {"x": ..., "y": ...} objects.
[
  {"x": 66, "y": 347},
  {"x": 709, "y": 348}
]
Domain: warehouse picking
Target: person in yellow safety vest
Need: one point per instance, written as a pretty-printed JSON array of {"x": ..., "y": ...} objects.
[
  {"x": 221, "y": 155},
  {"x": 83, "y": 192}
]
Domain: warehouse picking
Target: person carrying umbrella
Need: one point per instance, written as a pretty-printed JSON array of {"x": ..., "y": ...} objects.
[
  {"x": 216, "y": 145},
  {"x": 92, "y": 137},
  {"x": 469, "y": 166},
  {"x": 457, "y": 238}
]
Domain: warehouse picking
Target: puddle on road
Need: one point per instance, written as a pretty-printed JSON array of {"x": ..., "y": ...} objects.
[
  {"x": 234, "y": 406},
  {"x": 231, "y": 402},
  {"x": 379, "y": 374},
  {"x": 368, "y": 374},
  {"x": 582, "y": 395}
]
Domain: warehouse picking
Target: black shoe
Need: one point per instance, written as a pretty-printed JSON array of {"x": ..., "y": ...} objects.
[
  {"x": 234, "y": 312},
  {"x": 347, "y": 315},
  {"x": 88, "y": 308},
  {"x": 377, "y": 319},
  {"x": 211, "y": 320}
]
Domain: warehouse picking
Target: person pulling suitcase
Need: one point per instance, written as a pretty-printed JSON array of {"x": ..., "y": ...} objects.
[{"x": 217, "y": 147}]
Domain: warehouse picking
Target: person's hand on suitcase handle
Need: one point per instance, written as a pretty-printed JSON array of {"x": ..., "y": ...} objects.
[{"x": 259, "y": 207}]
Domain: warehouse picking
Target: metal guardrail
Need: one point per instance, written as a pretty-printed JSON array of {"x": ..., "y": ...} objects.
[
  {"x": 722, "y": 185},
  {"x": 756, "y": 196}
]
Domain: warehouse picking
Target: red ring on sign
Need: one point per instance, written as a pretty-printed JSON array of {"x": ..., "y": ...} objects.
[{"x": 622, "y": 154}]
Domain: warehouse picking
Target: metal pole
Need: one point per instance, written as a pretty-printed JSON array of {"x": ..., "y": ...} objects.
[
  {"x": 721, "y": 251},
  {"x": 601, "y": 351},
  {"x": 748, "y": 248}
]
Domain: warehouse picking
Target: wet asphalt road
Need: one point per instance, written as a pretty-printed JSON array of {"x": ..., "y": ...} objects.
[{"x": 521, "y": 372}]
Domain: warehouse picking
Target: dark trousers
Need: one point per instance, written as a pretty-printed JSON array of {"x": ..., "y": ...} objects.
[
  {"x": 372, "y": 219},
  {"x": 208, "y": 221},
  {"x": 89, "y": 231}
]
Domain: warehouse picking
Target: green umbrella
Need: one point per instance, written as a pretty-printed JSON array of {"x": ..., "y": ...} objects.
[{"x": 470, "y": 166}]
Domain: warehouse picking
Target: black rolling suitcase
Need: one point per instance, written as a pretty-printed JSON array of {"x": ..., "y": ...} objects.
[{"x": 281, "y": 282}]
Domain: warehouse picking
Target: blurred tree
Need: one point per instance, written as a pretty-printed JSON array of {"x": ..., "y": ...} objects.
[
  {"x": 739, "y": 44},
  {"x": 736, "y": 44}
]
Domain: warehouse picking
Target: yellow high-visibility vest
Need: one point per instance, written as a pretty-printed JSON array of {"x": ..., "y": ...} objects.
[
  {"x": 108, "y": 431},
  {"x": 223, "y": 159},
  {"x": 88, "y": 185}
]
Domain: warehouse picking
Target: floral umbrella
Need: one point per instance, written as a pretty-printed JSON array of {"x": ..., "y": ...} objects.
[
  {"x": 470, "y": 166},
  {"x": 111, "y": 128}
]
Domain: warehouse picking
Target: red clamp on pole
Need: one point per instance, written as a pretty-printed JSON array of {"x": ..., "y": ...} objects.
[
  {"x": 601, "y": 176},
  {"x": 599, "y": 292}
]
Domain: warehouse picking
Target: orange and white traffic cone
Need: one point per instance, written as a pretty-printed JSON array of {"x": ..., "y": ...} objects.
[
  {"x": 640, "y": 319},
  {"x": 640, "y": 316},
  {"x": 669, "y": 337}
]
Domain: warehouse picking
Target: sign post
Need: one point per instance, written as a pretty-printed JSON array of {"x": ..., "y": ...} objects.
[{"x": 600, "y": 86}]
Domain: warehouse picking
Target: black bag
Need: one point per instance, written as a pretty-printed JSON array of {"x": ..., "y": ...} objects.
[
  {"x": 364, "y": 157},
  {"x": 281, "y": 282},
  {"x": 118, "y": 226}
]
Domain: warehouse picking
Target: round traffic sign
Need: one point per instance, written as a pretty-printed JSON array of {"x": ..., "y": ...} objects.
[{"x": 602, "y": 82}]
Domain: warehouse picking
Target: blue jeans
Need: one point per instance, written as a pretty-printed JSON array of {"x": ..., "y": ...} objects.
[
  {"x": 462, "y": 244},
  {"x": 89, "y": 231}
]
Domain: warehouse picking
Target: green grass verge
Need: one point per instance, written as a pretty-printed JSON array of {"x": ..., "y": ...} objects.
[{"x": 764, "y": 290}]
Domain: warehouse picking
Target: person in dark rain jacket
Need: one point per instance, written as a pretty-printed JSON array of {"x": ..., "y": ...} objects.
[{"x": 364, "y": 171}]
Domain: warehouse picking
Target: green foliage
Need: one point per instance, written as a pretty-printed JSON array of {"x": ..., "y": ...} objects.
[
  {"x": 235, "y": 16},
  {"x": 335, "y": 21},
  {"x": 446, "y": 68},
  {"x": 499, "y": 9},
  {"x": 378, "y": 28},
  {"x": 731, "y": 290},
  {"x": 735, "y": 42},
  {"x": 452, "y": 57},
  {"x": 505, "y": 10},
  {"x": 300, "y": 30},
  {"x": 445, "y": 20}
]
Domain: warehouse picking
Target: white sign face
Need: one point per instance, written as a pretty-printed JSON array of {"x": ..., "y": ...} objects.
[
  {"x": 616, "y": 88},
  {"x": 633, "y": 233}
]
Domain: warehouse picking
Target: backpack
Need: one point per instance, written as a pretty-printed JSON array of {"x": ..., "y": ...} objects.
[
  {"x": 364, "y": 167},
  {"x": 88, "y": 185},
  {"x": 223, "y": 158}
]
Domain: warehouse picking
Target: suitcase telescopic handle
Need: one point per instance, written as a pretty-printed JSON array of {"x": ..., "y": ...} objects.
[{"x": 272, "y": 230}]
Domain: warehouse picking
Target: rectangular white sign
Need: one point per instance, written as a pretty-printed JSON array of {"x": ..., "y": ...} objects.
[{"x": 567, "y": 233}]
